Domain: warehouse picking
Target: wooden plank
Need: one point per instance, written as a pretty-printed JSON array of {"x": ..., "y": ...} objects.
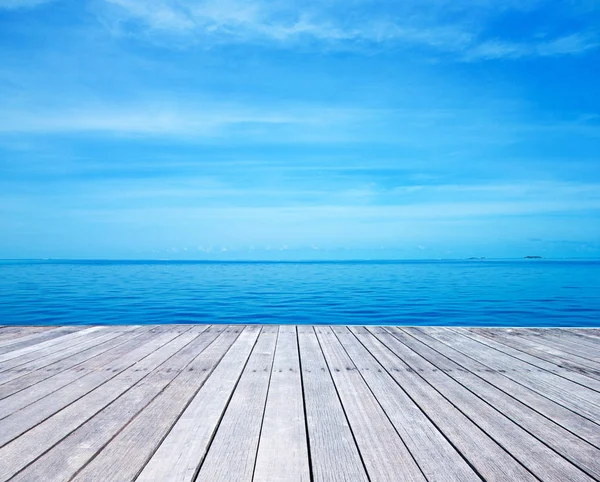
[
  {"x": 566, "y": 340},
  {"x": 537, "y": 457},
  {"x": 491, "y": 461},
  {"x": 579, "y": 452},
  {"x": 22, "y": 399},
  {"x": 21, "y": 451},
  {"x": 436, "y": 457},
  {"x": 71, "y": 347},
  {"x": 232, "y": 453},
  {"x": 577, "y": 398},
  {"x": 66, "y": 458},
  {"x": 592, "y": 334},
  {"x": 24, "y": 336},
  {"x": 441, "y": 340},
  {"x": 383, "y": 451},
  {"x": 494, "y": 340},
  {"x": 19, "y": 380},
  {"x": 333, "y": 450},
  {"x": 78, "y": 410},
  {"x": 283, "y": 423},
  {"x": 121, "y": 359},
  {"x": 180, "y": 422},
  {"x": 14, "y": 334},
  {"x": 32, "y": 352},
  {"x": 557, "y": 353}
]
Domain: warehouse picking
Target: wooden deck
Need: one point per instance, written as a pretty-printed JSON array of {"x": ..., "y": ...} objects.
[{"x": 285, "y": 403}]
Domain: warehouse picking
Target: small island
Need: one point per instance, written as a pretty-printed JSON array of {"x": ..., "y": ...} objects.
[{"x": 533, "y": 257}]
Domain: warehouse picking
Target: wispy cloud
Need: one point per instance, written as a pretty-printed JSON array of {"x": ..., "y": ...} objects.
[
  {"x": 448, "y": 27},
  {"x": 202, "y": 120},
  {"x": 459, "y": 28},
  {"x": 572, "y": 44},
  {"x": 206, "y": 23}
]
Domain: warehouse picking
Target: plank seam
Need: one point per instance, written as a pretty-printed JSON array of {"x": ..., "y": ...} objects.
[
  {"x": 452, "y": 403},
  {"x": 310, "y": 464},
  {"x": 536, "y": 391},
  {"x": 154, "y": 398},
  {"x": 491, "y": 405},
  {"x": 95, "y": 388},
  {"x": 378, "y": 403},
  {"x": 96, "y": 413},
  {"x": 466, "y": 334},
  {"x": 52, "y": 374},
  {"x": 185, "y": 405},
  {"x": 216, "y": 428},
  {"x": 553, "y": 344},
  {"x": 417, "y": 404},
  {"x": 342, "y": 405},
  {"x": 262, "y": 421},
  {"x": 501, "y": 389},
  {"x": 34, "y": 348}
]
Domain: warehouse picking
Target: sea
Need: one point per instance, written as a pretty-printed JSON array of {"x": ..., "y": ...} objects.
[{"x": 526, "y": 292}]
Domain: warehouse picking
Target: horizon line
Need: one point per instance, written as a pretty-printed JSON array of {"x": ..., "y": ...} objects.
[{"x": 330, "y": 260}]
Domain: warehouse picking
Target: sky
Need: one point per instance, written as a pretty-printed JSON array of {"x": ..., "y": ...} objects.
[{"x": 251, "y": 129}]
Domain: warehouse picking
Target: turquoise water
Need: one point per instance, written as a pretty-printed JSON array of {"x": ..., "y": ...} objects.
[{"x": 490, "y": 293}]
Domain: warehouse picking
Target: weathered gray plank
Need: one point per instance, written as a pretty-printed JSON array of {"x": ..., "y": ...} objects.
[
  {"x": 17, "y": 380},
  {"x": 21, "y": 421},
  {"x": 566, "y": 340},
  {"x": 579, "y": 452},
  {"x": 232, "y": 453},
  {"x": 32, "y": 352},
  {"x": 283, "y": 423},
  {"x": 72, "y": 347},
  {"x": 593, "y": 334},
  {"x": 436, "y": 457},
  {"x": 577, "y": 398},
  {"x": 10, "y": 332},
  {"x": 334, "y": 454},
  {"x": 126, "y": 455},
  {"x": 441, "y": 340},
  {"x": 383, "y": 451},
  {"x": 23, "y": 450},
  {"x": 68, "y": 344},
  {"x": 66, "y": 458},
  {"x": 494, "y": 340},
  {"x": 490, "y": 460},
  {"x": 533, "y": 454},
  {"x": 184, "y": 448},
  {"x": 111, "y": 406},
  {"x": 15, "y": 335},
  {"x": 543, "y": 347}
]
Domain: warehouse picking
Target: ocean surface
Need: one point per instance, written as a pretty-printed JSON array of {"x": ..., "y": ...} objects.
[{"x": 482, "y": 293}]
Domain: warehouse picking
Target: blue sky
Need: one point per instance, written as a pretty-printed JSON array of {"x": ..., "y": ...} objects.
[{"x": 245, "y": 129}]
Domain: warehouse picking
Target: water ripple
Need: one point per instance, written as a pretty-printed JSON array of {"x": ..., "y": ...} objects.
[{"x": 509, "y": 293}]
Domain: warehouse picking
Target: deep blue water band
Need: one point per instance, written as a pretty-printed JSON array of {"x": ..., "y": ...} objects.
[{"x": 466, "y": 293}]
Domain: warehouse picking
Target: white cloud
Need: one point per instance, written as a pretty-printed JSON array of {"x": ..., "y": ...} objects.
[
  {"x": 453, "y": 27},
  {"x": 199, "y": 120},
  {"x": 573, "y": 44},
  {"x": 208, "y": 22}
]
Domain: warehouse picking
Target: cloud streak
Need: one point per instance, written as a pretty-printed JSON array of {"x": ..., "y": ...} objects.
[
  {"x": 459, "y": 29},
  {"x": 163, "y": 120},
  {"x": 452, "y": 28},
  {"x": 572, "y": 44}
]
